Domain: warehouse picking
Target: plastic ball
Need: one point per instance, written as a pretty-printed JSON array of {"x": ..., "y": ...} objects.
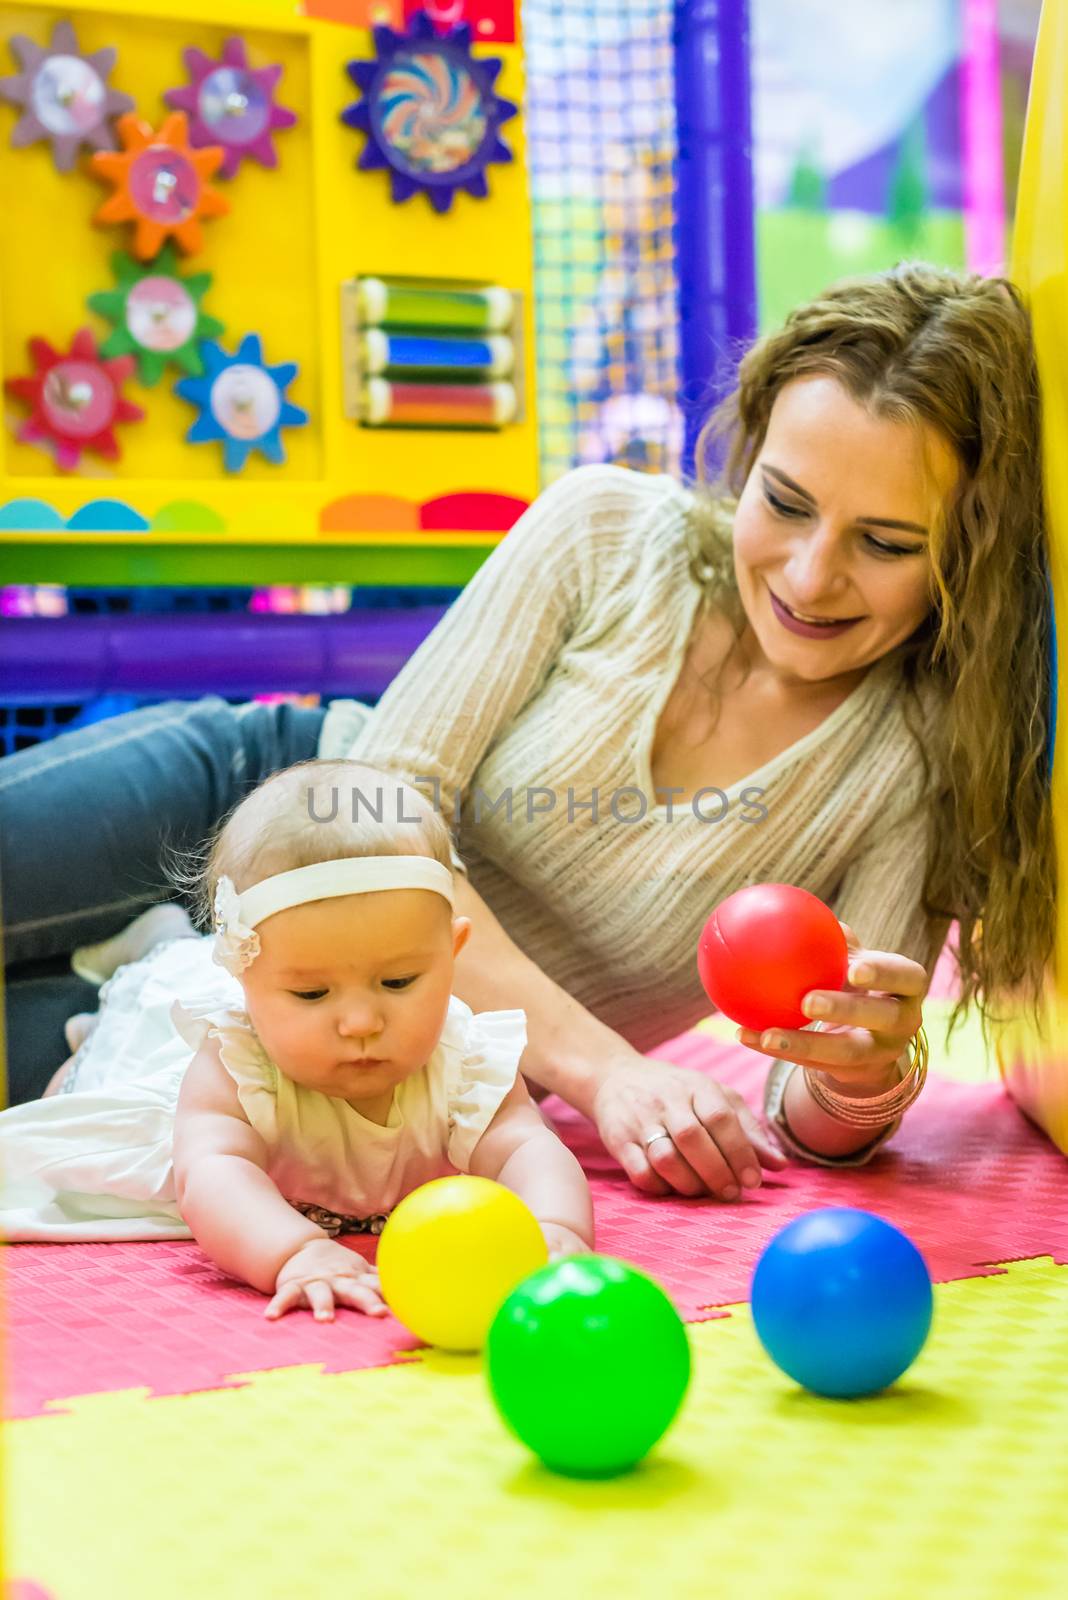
[
  {"x": 588, "y": 1362},
  {"x": 450, "y": 1253},
  {"x": 764, "y": 948},
  {"x": 842, "y": 1301}
]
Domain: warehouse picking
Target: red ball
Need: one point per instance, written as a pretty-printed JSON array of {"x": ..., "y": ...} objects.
[{"x": 764, "y": 948}]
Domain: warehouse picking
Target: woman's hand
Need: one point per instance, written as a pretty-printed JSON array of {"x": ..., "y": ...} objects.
[
  {"x": 564, "y": 1241},
  {"x": 322, "y": 1274},
  {"x": 675, "y": 1131},
  {"x": 866, "y": 1026}
]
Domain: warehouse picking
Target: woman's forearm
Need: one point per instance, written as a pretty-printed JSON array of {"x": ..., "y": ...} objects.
[
  {"x": 569, "y": 1052},
  {"x": 821, "y": 1133},
  {"x": 240, "y": 1220}
]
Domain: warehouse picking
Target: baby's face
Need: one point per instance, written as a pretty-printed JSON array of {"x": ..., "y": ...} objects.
[{"x": 349, "y": 995}]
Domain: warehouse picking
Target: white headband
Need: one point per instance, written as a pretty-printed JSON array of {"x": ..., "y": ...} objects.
[{"x": 236, "y": 915}]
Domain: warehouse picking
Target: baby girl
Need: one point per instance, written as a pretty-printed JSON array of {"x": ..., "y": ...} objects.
[{"x": 292, "y": 1076}]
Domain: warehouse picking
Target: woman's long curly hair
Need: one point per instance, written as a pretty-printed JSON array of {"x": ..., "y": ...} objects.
[{"x": 920, "y": 344}]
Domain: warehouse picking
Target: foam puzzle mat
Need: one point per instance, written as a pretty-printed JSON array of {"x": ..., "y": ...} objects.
[{"x": 166, "y": 1438}]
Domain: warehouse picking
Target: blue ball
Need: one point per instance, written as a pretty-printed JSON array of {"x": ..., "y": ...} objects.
[{"x": 842, "y": 1301}]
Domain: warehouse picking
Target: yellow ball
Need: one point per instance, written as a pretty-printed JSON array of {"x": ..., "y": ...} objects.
[{"x": 450, "y": 1255}]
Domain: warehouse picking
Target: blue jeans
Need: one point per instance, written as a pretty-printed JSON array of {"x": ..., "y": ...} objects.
[{"x": 83, "y": 822}]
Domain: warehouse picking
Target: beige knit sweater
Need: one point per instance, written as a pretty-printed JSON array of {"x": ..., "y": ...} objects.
[{"x": 544, "y": 682}]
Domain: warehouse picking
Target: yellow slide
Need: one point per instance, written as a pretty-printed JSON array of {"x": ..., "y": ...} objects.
[{"x": 1035, "y": 1069}]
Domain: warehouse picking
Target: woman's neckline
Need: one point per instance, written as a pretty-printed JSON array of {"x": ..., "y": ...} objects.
[{"x": 793, "y": 752}]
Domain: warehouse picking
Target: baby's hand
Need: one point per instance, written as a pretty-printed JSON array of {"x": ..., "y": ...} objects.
[
  {"x": 323, "y": 1274},
  {"x": 563, "y": 1241}
]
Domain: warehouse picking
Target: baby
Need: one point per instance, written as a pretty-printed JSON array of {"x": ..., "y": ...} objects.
[{"x": 294, "y": 1075}]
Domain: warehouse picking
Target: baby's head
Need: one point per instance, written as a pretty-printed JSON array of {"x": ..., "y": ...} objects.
[{"x": 346, "y": 983}]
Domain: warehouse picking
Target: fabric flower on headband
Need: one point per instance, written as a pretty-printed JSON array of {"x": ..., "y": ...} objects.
[{"x": 236, "y": 946}]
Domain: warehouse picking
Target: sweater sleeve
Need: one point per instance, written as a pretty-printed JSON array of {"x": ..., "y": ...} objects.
[{"x": 498, "y": 643}]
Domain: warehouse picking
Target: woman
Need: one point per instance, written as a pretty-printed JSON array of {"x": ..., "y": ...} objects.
[{"x": 831, "y": 670}]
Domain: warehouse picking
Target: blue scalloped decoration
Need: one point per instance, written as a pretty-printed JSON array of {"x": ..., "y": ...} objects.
[
  {"x": 107, "y": 516},
  {"x": 31, "y": 516}
]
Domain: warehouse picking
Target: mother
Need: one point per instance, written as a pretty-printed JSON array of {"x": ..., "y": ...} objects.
[{"x": 829, "y": 670}]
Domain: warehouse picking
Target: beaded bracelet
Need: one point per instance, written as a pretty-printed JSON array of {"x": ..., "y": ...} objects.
[{"x": 879, "y": 1109}]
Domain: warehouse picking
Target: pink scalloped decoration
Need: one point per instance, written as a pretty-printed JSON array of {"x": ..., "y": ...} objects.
[{"x": 473, "y": 511}]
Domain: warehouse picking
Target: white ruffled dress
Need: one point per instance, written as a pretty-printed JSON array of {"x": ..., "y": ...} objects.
[{"x": 96, "y": 1162}]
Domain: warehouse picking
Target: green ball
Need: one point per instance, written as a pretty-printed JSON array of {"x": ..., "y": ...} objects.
[{"x": 588, "y": 1361}]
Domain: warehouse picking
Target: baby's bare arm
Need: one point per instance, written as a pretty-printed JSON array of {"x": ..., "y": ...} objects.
[
  {"x": 224, "y": 1193},
  {"x": 521, "y": 1151}
]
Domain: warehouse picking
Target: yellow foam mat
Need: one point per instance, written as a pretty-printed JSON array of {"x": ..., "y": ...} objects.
[{"x": 400, "y": 1482}]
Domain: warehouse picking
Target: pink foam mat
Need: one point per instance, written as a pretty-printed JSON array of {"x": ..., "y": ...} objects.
[{"x": 968, "y": 1178}]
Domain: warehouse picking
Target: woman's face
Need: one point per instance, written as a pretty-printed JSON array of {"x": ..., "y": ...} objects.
[{"x": 834, "y": 523}]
